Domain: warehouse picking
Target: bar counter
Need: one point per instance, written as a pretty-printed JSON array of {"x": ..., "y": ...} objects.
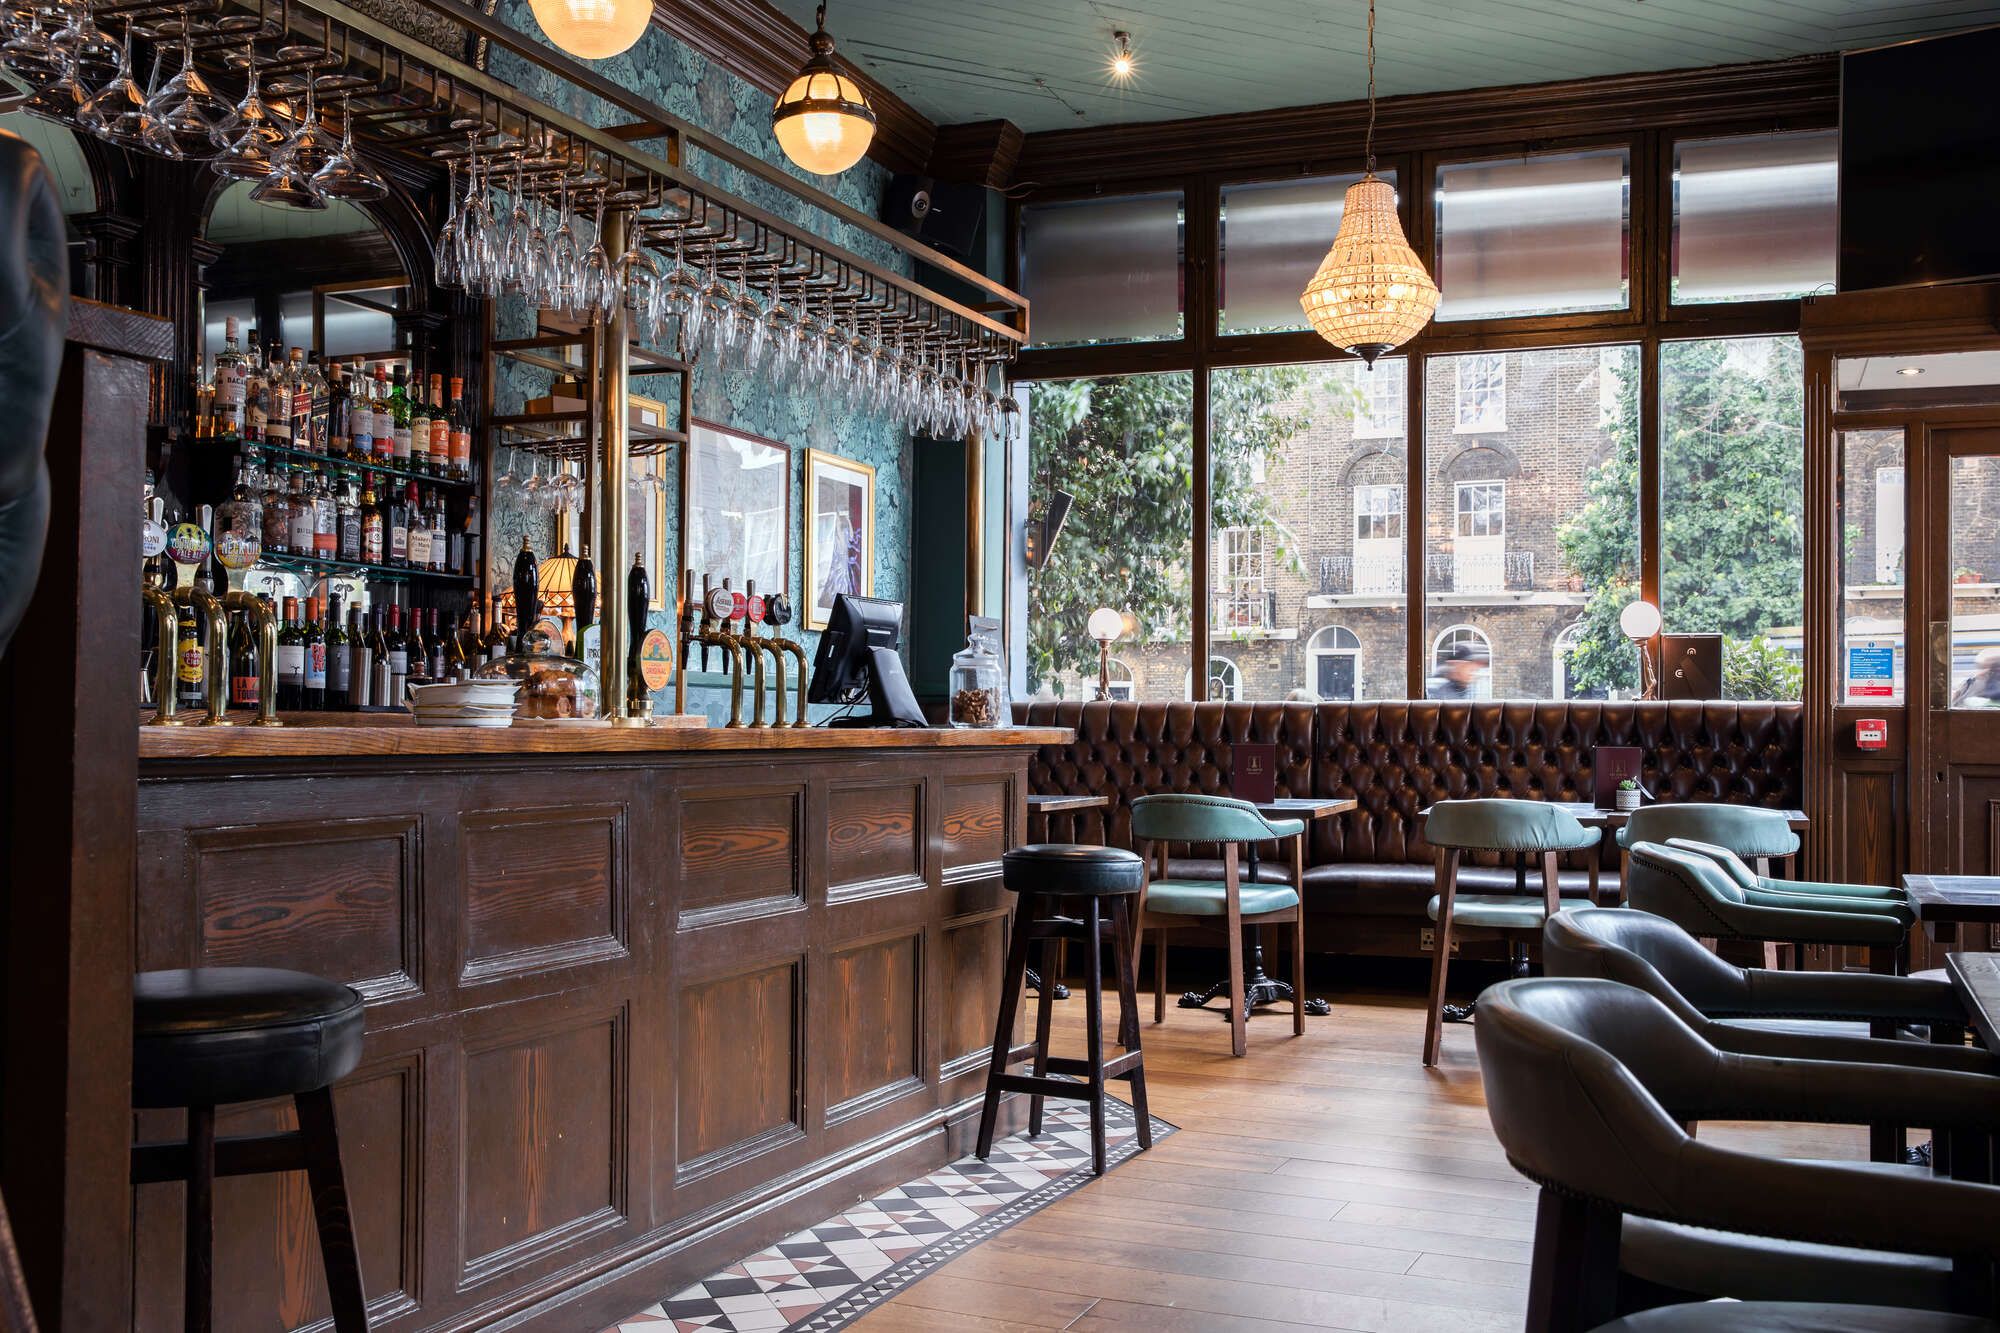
[{"x": 640, "y": 1000}]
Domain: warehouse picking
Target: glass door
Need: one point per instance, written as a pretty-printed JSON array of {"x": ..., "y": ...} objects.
[{"x": 1961, "y": 570}]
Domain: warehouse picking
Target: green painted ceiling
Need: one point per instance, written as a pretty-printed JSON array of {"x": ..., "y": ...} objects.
[{"x": 957, "y": 60}]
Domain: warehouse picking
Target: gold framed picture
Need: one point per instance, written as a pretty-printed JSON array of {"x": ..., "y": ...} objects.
[{"x": 840, "y": 533}]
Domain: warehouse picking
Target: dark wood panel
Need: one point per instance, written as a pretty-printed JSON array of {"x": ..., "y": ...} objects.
[
  {"x": 339, "y": 898},
  {"x": 740, "y": 852},
  {"x": 874, "y": 1033},
  {"x": 740, "y": 1068},
  {"x": 975, "y": 825},
  {"x": 542, "y": 888},
  {"x": 874, "y": 839},
  {"x": 545, "y": 1151},
  {"x": 973, "y": 958}
]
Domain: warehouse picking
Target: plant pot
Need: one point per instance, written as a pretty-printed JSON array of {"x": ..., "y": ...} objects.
[{"x": 1628, "y": 800}]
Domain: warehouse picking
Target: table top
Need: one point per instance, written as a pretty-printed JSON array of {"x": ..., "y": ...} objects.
[
  {"x": 1969, "y": 898},
  {"x": 1594, "y": 816},
  {"x": 1306, "y": 807},
  {"x": 1056, "y": 803},
  {"x": 1976, "y": 978}
]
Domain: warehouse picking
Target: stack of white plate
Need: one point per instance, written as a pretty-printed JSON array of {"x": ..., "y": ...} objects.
[{"x": 472, "y": 703}]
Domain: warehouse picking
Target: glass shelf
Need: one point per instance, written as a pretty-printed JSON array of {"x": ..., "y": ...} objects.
[
  {"x": 312, "y": 564},
  {"x": 330, "y": 460}
]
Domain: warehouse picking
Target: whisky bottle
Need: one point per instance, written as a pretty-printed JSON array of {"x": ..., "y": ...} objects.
[
  {"x": 347, "y": 518},
  {"x": 326, "y": 522},
  {"x": 384, "y": 433},
  {"x": 414, "y": 648},
  {"x": 315, "y": 691},
  {"x": 360, "y": 415},
  {"x": 399, "y": 417},
  {"x": 418, "y": 525},
  {"x": 420, "y": 427},
  {"x": 372, "y": 534},
  {"x": 461, "y": 433},
  {"x": 291, "y": 659},
  {"x": 300, "y": 540},
  {"x": 337, "y": 664},
  {"x": 440, "y": 454},
  {"x": 231, "y": 378},
  {"x": 397, "y": 520}
]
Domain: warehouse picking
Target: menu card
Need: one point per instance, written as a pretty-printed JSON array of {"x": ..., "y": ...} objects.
[
  {"x": 1611, "y": 765},
  {"x": 1253, "y": 773}
]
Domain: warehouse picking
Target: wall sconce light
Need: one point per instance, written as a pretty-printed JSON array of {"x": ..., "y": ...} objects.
[
  {"x": 1640, "y": 621},
  {"x": 1105, "y": 625}
]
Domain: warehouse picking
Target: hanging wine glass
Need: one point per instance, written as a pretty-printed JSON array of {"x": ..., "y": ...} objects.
[
  {"x": 346, "y": 174},
  {"x": 82, "y": 42},
  {"x": 445, "y": 252},
  {"x": 751, "y": 333},
  {"x": 63, "y": 98},
  {"x": 565, "y": 258},
  {"x": 27, "y": 52},
  {"x": 637, "y": 277},
  {"x": 186, "y": 111},
  {"x": 248, "y": 134},
  {"x": 118, "y": 111},
  {"x": 598, "y": 289}
]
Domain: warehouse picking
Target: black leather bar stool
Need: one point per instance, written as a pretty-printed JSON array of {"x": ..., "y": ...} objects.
[
  {"x": 205, "y": 1037},
  {"x": 1043, "y": 874}
]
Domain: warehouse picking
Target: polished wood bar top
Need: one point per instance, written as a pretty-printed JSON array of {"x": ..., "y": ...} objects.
[{"x": 317, "y": 740}]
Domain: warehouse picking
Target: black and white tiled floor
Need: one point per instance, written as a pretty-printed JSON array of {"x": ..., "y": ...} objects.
[{"x": 827, "y": 1276}]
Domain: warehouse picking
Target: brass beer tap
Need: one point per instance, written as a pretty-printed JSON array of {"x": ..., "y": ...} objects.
[
  {"x": 166, "y": 620},
  {"x": 716, "y": 609},
  {"x": 760, "y": 610},
  {"x": 778, "y": 614},
  {"x": 746, "y": 645},
  {"x": 215, "y": 645}
]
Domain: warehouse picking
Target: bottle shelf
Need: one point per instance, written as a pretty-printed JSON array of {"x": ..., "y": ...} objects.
[
  {"x": 381, "y": 469},
  {"x": 312, "y": 564}
]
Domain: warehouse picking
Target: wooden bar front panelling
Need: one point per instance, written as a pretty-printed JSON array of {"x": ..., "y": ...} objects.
[{"x": 631, "y": 1015}]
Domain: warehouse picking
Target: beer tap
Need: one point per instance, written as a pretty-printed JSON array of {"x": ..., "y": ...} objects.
[
  {"x": 690, "y": 632},
  {"x": 753, "y": 611},
  {"x": 638, "y": 596},
  {"x": 778, "y": 614},
  {"x": 237, "y": 548},
  {"x": 258, "y": 617},
  {"x": 746, "y": 647},
  {"x": 717, "y": 606},
  {"x": 190, "y": 547},
  {"x": 166, "y": 621}
]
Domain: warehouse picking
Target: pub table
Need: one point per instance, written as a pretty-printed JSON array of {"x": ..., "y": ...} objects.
[
  {"x": 1040, "y": 810},
  {"x": 1260, "y": 987},
  {"x": 1976, "y": 978},
  {"x": 1945, "y": 902}
]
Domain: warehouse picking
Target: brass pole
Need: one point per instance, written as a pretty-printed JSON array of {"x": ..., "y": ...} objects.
[
  {"x": 975, "y": 522},
  {"x": 609, "y": 503}
]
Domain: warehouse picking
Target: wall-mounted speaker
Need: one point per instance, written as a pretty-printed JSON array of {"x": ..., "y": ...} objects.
[{"x": 941, "y": 214}]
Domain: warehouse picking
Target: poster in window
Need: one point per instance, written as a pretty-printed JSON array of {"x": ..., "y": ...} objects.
[
  {"x": 736, "y": 508},
  {"x": 840, "y": 532}
]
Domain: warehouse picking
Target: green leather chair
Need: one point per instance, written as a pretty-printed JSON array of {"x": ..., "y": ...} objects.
[
  {"x": 1517, "y": 828},
  {"x": 1752, "y": 832},
  {"x": 1719, "y": 897},
  {"x": 1229, "y": 902}
]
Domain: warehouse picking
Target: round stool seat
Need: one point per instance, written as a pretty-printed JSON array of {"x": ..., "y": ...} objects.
[
  {"x": 207, "y": 1036},
  {"x": 1072, "y": 870},
  {"x": 1786, "y": 1317}
]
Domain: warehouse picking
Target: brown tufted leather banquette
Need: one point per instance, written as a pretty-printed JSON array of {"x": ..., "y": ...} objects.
[{"x": 1371, "y": 868}]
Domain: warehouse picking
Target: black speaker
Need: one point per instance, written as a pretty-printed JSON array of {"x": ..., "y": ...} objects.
[{"x": 942, "y": 215}]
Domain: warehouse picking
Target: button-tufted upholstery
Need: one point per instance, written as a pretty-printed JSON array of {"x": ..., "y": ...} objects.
[{"x": 1397, "y": 758}]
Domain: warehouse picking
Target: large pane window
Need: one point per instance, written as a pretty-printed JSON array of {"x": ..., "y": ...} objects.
[
  {"x": 1872, "y": 649},
  {"x": 1103, "y": 270},
  {"x": 1307, "y": 561},
  {"x": 1273, "y": 236},
  {"x": 1537, "y": 235},
  {"x": 1732, "y": 506},
  {"x": 1115, "y": 456},
  {"x": 1532, "y": 542},
  {"x": 1754, "y": 217},
  {"x": 1975, "y": 581}
]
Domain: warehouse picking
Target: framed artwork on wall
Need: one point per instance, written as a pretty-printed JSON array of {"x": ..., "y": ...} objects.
[
  {"x": 736, "y": 508},
  {"x": 646, "y": 527},
  {"x": 840, "y": 533}
]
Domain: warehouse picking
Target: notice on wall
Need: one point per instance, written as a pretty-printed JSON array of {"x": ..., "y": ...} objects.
[{"x": 1871, "y": 671}]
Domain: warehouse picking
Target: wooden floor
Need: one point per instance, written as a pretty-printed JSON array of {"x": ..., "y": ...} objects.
[{"x": 1324, "y": 1181}]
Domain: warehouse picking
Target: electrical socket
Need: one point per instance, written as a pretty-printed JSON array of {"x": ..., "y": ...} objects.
[{"x": 1427, "y": 940}]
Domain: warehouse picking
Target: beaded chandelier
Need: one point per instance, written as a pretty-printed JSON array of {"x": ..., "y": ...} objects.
[{"x": 1371, "y": 293}]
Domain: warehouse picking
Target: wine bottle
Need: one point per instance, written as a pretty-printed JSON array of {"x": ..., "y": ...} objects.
[
  {"x": 361, "y": 661},
  {"x": 244, "y": 684},
  {"x": 399, "y": 417},
  {"x": 434, "y": 649},
  {"x": 440, "y": 451},
  {"x": 379, "y": 681},
  {"x": 338, "y": 681},
  {"x": 414, "y": 647},
  {"x": 458, "y": 658},
  {"x": 416, "y": 530},
  {"x": 396, "y": 650},
  {"x": 461, "y": 433},
  {"x": 420, "y": 426},
  {"x": 495, "y": 645},
  {"x": 314, "y": 698},
  {"x": 291, "y": 659}
]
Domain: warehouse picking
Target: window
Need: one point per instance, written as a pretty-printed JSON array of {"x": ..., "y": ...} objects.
[
  {"x": 1245, "y": 601},
  {"x": 1732, "y": 506},
  {"x": 1533, "y": 531},
  {"x": 1273, "y": 235},
  {"x": 1535, "y": 235},
  {"x": 1383, "y": 396},
  {"x": 1754, "y": 217},
  {"x": 1120, "y": 675},
  {"x": 1973, "y": 483},
  {"x": 1568, "y": 640},
  {"x": 1224, "y": 680},
  {"x": 1482, "y": 393},
  {"x": 1329, "y": 509},
  {"x": 1120, "y": 450},
  {"x": 1103, "y": 270},
  {"x": 1872, "y": 649},
  {"x": 1335, "y": 653},
  {"x": 1461, "y": 665}
]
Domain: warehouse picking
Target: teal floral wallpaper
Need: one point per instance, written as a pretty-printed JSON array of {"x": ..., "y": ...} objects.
[{"x": 690, "y": 86}]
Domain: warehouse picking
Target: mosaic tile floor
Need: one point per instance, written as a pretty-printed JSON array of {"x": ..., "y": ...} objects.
[{"x": 827, "y": 1276}]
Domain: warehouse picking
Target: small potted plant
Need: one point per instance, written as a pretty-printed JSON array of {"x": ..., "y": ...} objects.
[{"x": 1628, "y": 794}]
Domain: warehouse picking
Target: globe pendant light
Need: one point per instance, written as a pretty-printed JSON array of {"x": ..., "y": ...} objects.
[
  {"x": 1371, "y": 293},
  {"x": 823, "y": 122},
  {"x": 593, "y": 29}
]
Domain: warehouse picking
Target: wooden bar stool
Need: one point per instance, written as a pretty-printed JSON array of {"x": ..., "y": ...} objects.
[
  {"x": 1042, "y": 874},
  {"x": 205, "y": 1037}
]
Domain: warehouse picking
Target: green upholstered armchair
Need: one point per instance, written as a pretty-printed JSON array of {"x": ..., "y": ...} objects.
[
  {"x": 1522, "y": 829},
  {"x": 1157, "y": 822}
]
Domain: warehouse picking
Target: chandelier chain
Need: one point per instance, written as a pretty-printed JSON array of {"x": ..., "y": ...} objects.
[{"x": 1370, "y": 145}]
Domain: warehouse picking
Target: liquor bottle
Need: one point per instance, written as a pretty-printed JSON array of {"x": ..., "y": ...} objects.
[
  {"x": 338, "y": 430},
  {"x": 347, "y": 519},
  {"x": 315, "y": 692},
  {"x": 440, "y": 542},
  {"x": 360, "y": 414},
  {"x": 397, "y": 520},
  {"x": 399, "y": 417},
  {"x": 420, "y": 426},
  {"x": 378, "y": 652},
  {"x": 319, "y": 406},
  {"x": 337, "y": 680},
  {"x": 440, "y": 451},
  {"x": 244, "y": 683},
  {"x": 457, "y": 658},
  {"x": 303, "y": 523},
  {"x": 298, "y": 403},
  {"x": 396, "y": 651},
  {"x": 231, "y": 379},
  {"x": 277, "y": 517},
  {"x": 276, "y": 406},
  {"x": 373, "y": 534},
  {"x": 192, "y": 668},
  {"x": 291, "y": 659},
  {"x": 414, "y": 646},
  {"x": 495, "y": 646},
  {"x": 385, "y": 422},
  {"x": 434, "y": 653},
  {"x": 326, "y": 517},
  {"x": 360, "y": 661},
  {"x": 461, "y": 433},
  {"x": 419, "y": 539}
]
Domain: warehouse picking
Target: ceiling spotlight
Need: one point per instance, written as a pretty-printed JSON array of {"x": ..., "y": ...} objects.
[
  {"x": 1123, "y": 66},
  {"x": 1909, "y": 370}
]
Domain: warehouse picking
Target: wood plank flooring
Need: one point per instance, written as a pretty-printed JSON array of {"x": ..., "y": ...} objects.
[{"x": 1323, "y": 1181}]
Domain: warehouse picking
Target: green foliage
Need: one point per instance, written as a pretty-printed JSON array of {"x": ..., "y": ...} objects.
[
  {"x": 1733, "y": 540},
  {"x": 1756, "y": 668},
  {"x": 1124, "y": 447}
]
